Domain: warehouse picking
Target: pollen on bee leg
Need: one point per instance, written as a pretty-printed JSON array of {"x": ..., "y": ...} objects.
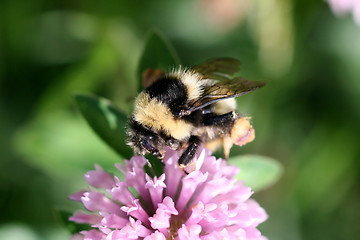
[
  {"x": 242, "y": 132},
  {"x": 183, "y": 168},
  {"x": 162, "y": 153},
  {"x": 227, "y": 144}
]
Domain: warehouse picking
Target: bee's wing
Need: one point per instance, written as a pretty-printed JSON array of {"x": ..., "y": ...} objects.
[
  {"x": 221, "y": 90},
  {"x": 218, "y": 68}
]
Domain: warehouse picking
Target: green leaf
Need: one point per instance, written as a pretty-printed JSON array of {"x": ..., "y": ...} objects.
[
  {"x": 107, "y": 121},
  {"x": 257, "y": 171},
  {"x": 17, "y": 230},
  {"x": 156, "y": 165},
  {"x": 60, "y": 144},
  {"x": 158, "y": 54}
]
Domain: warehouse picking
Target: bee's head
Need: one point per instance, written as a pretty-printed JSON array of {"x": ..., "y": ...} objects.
[{"x": 143, "y": 140}]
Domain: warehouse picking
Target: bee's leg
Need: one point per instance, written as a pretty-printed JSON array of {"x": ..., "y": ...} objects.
[
  {"x": 226, "y": 120},
  {"x": 224, "y": 124},
  {"x": 189, "y": 153},
  {"x": 173, "y": 143}
]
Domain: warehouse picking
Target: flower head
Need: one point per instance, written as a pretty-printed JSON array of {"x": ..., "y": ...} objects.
[
  {"x": 208, "y": 203},
  {"x": 341, "y": 7}
]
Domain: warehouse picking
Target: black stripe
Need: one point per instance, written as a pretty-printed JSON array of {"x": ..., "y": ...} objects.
[
  {"x": 138, "y": 127},
  {"x": 170, "y": 91}
]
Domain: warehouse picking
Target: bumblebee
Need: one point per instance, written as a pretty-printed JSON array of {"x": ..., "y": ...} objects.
[{"x": 190, "y": 106}]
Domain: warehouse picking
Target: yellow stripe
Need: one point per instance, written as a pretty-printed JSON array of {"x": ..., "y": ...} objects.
[{"x": 157, "y": 116}]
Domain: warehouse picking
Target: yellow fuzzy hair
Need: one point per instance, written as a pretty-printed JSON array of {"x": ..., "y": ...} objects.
[
  {"x": 157, "y": 116},
  {"x": 224, "y": 106},
  {"x": 191, "y": 80}
]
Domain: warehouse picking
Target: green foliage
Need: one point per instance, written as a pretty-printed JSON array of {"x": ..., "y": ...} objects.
[
  {"x": 61, "y": 145},
  {"x": 258, "y": 172},
  {"x": 107, "y": 121},
  {"x": 313, "y": 188},
  {"x": 157, "y": 167},
  {"x": 307, "y": 116},
  {"x": 158, "y": 54}
]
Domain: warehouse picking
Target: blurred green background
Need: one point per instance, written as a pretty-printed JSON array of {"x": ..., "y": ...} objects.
[{"x": 307, "y": 117}]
